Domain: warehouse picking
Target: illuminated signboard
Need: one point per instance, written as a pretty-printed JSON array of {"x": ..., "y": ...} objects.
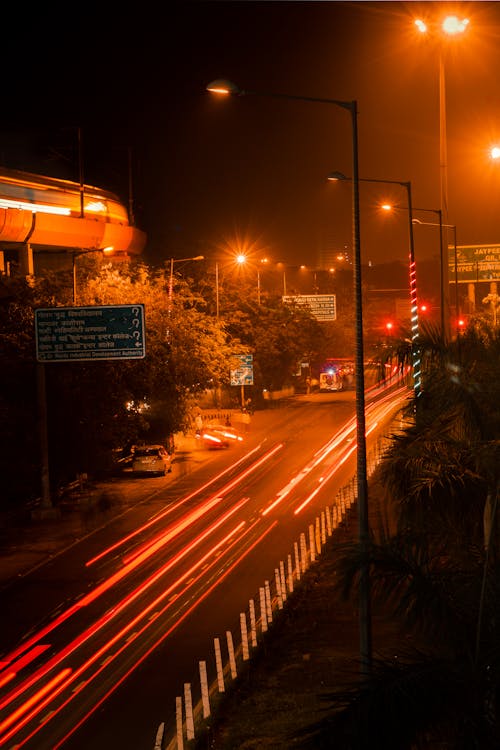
[
  {"x": 474, "y": 263},
  {"x": 322, "y": 306}
]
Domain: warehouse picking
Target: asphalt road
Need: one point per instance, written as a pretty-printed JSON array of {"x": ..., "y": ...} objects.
[{"x": 116, "y": 622}]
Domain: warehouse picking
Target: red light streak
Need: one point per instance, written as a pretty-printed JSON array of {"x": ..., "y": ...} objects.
[
  {"x": 163, "y": 637},
  {"x": 132, "y": 624},
  {"x": 43, "y": 692},
  {"x": 169, "y": 510}
]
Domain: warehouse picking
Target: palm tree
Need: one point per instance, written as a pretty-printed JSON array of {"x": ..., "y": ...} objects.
[{"x": 435, "y": 566}]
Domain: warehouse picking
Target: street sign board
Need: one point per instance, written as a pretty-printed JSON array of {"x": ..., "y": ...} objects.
[
  {"x": 69, "y": 334},
  {"x": 242, "y": 374},
  {"x": 474, "y": 263},
  {"x": 322, "y": 306}
]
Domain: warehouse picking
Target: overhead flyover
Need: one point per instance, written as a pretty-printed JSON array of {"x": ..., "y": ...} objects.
[{"x": 40, "y": 214}]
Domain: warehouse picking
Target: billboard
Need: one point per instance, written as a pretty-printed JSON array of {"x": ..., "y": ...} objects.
[
  {"x": 69, "y": 334},
  {"x": 322, "y": 306},
  {"x": 474, "y": 263}
]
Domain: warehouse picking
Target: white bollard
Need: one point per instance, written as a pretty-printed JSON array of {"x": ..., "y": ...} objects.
[
  {"x": 253, "y": 625},
  {"x": 278, "y": 588},
  {"x": 290, "y": 574},
  {"x": 159, "y": 736},
  {"x": 230, "y": 650},
  {"x": 328, "y": 521},
  {"x": 178, "y": 721},
  {"x": 317, "y": 535},
  {"x": 323, "y": 528},
  {"x": 263, "y": 610},
  {"x": 205, "y": 695},
  {"x": 297, "y": 559},
  {"x": 283, "y": 580},
  {"x": 303, "y": 553},
  {"x": 335, "y": 516},
  {"x": 218, "y": 664},
  {"x": 269, "y": 605},
  {"x": 244, "y": 636},
  {"x": 188, "y": 703},
  {"x": 312, "y": 549}
]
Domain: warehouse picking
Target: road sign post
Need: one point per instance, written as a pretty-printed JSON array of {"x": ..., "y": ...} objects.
[
  {"x": 81, "y": 334},
  {"x": 242, "y": 373},
  {"x": 69, "y": 334}
]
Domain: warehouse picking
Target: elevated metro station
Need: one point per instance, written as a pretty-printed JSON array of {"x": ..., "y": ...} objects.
[{"x": 45, "y": 221}]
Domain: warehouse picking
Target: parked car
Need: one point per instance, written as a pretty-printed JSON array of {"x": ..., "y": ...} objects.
[
  {"x": 151, "y": 459},
  {"x": 216, "y": 436}
]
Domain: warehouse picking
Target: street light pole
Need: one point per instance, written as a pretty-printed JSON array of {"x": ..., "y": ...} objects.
[
  {"x": 217, "y": 289},
  {"x": 416, "y": 361},
  {"x": 451, "y": 26},
  {"x": 443, "y": 271},
  {"x": 227, "y": 87},
  {"x": 441, "y": 227},
  {"x": 171, "y": 276}
]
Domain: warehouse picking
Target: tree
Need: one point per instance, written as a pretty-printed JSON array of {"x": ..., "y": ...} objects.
[{"x": 435, "y": 565}]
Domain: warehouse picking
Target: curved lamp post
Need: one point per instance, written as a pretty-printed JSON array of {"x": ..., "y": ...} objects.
[
  {"x": 228, "y": 88},
  {"x": 442, "y": 274},
  {"x": 171, "y": 277},
  {"x": 334, "y": 176},
  {"x": 441, "y": 227}
]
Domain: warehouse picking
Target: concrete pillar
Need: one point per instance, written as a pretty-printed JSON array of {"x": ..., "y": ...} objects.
[{"x": 26, "y": 265}]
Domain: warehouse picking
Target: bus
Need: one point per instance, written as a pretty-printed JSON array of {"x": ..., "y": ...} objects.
[{"x": 336, "y": 374}]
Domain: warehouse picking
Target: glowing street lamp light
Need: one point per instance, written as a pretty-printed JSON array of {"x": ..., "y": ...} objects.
[{"x": 228, "y": 88}]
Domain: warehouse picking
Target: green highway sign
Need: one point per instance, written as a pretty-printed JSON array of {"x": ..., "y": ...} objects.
[
  {"x": 71, "y": 334},
  {"x": 474, "y": 263}
]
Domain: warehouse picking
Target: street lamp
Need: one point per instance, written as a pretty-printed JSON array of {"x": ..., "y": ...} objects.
[
  {"x": 228, "y": 88},
  {"x": 451, "y": 27},
  {"x": 445, "y": 226},
  {"x": 171, "y": 278},
  {"x": 334, "y": 176},
  {"x": 443, "y": 269}
]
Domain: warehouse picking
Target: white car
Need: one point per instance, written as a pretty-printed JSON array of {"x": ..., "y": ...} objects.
[{"x": 151, "y": 459}]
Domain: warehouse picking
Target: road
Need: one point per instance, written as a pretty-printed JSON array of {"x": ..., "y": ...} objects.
[{"x": 140, "y": 600}]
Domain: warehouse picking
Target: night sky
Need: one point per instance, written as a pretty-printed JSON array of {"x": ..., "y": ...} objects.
[{"x": 250, "y": 172}]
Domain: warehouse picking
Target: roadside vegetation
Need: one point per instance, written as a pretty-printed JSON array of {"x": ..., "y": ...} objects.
[
  {"x": 434, "y": 565},
  {"x": 97, "y": 410}
]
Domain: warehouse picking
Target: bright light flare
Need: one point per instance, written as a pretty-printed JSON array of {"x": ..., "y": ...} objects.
[
  {"x": 452, "y": 25},
  {"x": 495, "y": 152},
  {"x": 241, "y": 258},
  {"x": 421, "y": 25},
  {"x": 386, "y": 207}
]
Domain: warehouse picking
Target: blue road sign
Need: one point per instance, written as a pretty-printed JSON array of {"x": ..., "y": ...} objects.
[
  {"x": 243, "y": 373},
  {"x": 69, "y": 334}
]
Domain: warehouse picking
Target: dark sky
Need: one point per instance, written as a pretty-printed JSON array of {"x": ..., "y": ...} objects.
[{"x": 251, "y": 171}]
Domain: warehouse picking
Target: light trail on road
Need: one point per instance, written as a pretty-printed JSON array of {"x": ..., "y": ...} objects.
[{"x": 170, "y": 572}]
